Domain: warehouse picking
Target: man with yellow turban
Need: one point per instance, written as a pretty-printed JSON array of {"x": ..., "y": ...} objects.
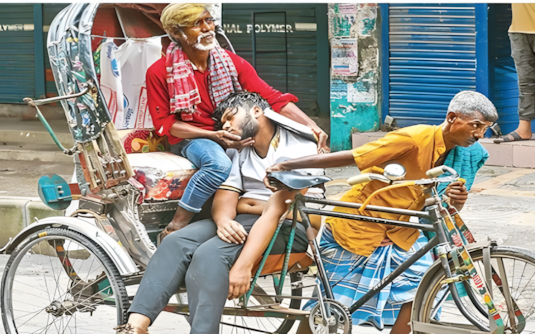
[{"x": 186, "y": 86}]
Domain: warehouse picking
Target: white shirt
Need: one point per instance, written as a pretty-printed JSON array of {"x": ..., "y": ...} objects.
[{"x": 249, "y": 169}]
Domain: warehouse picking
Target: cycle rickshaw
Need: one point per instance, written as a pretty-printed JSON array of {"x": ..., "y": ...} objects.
[{"x": 70, "y": 274}]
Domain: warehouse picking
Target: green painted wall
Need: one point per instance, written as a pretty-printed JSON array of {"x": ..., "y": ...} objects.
[{"x": 354, "y": 73}]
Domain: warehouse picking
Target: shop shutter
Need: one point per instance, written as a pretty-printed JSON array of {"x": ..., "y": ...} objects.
[
  {"x": 432, "y": 56},
  {"x": 271, "y": 51},
  {"x": 17, "y": 67}
]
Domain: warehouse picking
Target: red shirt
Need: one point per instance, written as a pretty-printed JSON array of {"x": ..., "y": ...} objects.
[{"x": 158, "y": 96}]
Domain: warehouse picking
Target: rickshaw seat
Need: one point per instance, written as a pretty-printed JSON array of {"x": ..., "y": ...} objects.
[{"x": 163, "y": 174}]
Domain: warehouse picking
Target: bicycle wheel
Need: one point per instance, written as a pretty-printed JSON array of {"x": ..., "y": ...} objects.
[
  {"x": 436, "y": 307},
  {"x": 60, "y": 281},
  {"x": 249, "y": 324}
]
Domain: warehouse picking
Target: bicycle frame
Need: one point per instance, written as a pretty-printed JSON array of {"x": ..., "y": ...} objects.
[
  {"x": 440, "y": 239},
  {"x": 432, "y": 215}
]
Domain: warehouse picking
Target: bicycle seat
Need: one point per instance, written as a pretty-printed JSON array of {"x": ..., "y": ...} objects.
[{"x": 297, "y": 181}]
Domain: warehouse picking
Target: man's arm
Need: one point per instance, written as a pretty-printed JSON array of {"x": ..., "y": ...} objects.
[
  {"x": 338, "y": 159},
  {"x": 223, "y": 214},
  {"x": 166, "y": 124},
  {"x": 257, "y": 242},
  {"x": 184, "y": 130}
]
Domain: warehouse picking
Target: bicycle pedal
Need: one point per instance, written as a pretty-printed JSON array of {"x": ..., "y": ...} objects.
[{"x": 455, "y": 279}]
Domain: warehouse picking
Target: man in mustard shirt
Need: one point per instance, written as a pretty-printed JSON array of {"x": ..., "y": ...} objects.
[
  {"x": 359, "y": 254},
  {"x": 522, "y": 37}
]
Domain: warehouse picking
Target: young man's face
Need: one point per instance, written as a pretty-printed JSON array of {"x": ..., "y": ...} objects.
[
  {"x": 201, "y": 35},
  {"x": 467, "y": 129},
  {"x": 241, "y": 122}
]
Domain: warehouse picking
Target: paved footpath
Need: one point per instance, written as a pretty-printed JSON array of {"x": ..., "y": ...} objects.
[{"x": 500, "y": 207}]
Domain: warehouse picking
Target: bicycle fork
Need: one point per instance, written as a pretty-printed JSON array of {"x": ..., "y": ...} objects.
[{"x": 313, "y": 243}]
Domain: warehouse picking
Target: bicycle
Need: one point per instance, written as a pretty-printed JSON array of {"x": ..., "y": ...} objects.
[
  {"x": 65, "y": 274},
  {"x": 479, "y": 267}
]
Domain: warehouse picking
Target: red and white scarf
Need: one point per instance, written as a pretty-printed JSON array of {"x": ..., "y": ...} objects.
[{"x": 222, "y": 79}]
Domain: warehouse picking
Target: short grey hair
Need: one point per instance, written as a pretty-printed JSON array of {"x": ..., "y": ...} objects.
[{"x": 467, "y": 102}]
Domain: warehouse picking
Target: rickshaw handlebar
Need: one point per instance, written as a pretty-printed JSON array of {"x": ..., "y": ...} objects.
[{"x": 432, "y": 173}]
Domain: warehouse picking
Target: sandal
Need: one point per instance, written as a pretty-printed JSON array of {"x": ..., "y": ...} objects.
[
  {"x": 125, "y": 329},
  {"x": 505, "y": 139}
]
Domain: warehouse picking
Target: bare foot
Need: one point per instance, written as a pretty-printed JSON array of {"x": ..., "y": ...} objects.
[
  {"x": 130, "y": 329},
  {"x": 137, "y": 324}
]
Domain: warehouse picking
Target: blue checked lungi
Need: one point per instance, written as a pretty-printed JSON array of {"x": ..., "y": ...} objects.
[{"x": 351, "y": 276}]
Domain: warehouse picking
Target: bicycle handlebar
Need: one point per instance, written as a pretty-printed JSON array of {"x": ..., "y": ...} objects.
[{"x": 432, "y": 174}]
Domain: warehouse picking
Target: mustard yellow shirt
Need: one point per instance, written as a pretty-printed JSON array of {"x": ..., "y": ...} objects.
[
  {"x": 417, "y": 148},
  {"x": 523, "y": 18}
]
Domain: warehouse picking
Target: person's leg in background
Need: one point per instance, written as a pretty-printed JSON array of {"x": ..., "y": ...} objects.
[
  {"x": 214, "y": 168},
  {"x": 522, "y": 51}
]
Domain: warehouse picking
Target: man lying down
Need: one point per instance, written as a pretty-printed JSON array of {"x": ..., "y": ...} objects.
[{"x": 205, "y": 255}]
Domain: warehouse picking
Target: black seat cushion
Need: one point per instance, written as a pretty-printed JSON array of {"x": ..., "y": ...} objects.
[{"x": 297, "y": 181}]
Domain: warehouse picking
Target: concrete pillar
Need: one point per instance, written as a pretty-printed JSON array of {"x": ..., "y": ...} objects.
[{"x": 355, "y": 71}]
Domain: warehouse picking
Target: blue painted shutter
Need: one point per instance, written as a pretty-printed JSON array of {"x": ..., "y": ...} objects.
[
  {"x": 432, "y": 57},
  {"x": 17, "y": 67}
]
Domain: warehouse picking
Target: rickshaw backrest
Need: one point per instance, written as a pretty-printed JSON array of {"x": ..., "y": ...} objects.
[{"x": 70, "y": 40}]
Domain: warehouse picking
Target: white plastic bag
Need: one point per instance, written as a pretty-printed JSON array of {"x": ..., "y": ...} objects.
[
  {"x": 123, "y": 71},
  {"x": 111, "y": 83}
]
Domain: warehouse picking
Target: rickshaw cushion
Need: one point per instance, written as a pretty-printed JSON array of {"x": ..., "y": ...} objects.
[
  {"x": 164, "y": 175},
  {"x": 274, "y": 263},
  {"x": 298, "y": 256}
]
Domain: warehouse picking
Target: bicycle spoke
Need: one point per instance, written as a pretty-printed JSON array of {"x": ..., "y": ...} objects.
[{"x": 61, "y": 304}]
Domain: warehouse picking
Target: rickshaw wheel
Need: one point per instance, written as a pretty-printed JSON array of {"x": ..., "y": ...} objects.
[
  {"x": 433, "y": 305},
  {"x": 60, "y": 281}
]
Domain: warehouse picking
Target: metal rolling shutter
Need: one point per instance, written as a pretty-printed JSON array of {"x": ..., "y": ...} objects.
[
  {"x": 432, "y": 56},
  {"x": 271, "y": 57},
  {"x": 17, "y": 67}
]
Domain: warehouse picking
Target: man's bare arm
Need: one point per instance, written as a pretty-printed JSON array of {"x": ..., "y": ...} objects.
[
  {"x": 224, "y": 213},
  {"x": 338, "y": 159},
  {"x": 187, "y": 131},
  {"x": 257, "y": 242}
]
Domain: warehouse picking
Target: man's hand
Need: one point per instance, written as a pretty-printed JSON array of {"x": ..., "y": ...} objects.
[
  {"x": 275, "y": 168},
  {"x": 322, "y": 138},
  {"x": 458, "y": 194},
  {"x": 239, "y": 282},
  {"x": 228, "y": 140},
  {"x": 231, "y": 232},
  {"x": 171, "y": 227}
]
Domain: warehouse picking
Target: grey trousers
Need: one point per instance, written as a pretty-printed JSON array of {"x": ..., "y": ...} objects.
[
  {"x": 523, "y": 53},
  {"x": 196, "y": 256}
]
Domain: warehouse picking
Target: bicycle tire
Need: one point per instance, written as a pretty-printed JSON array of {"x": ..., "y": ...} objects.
[
  {"x": 423, "y": 303},
  {"x": 26, "y": 247}
]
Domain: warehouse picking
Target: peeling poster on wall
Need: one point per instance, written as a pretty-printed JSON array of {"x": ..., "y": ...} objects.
[
  {"x": 342, "y": 17},
  {"x": 344, "y": 57},
  {"x": 361, "y": 92}
]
